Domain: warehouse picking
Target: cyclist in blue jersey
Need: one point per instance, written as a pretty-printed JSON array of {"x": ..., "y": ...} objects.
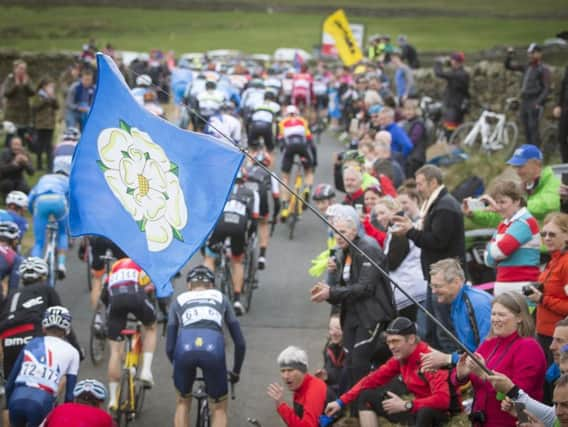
[
  {"x": 49, "y": 198},
  {"x": 195, "y": 339}
]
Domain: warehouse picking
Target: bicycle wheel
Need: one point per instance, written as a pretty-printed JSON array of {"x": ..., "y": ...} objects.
[
  {"x": 123, "y": 409},
  {"x": 228, "y": 281},
  {"x": 293, "y": 216},
  {"x": 97, "y": 340},
  {"x": 460, "y": 134},
  {"x": 549, "y": 143},
  {"x": 139, "y": 395},
  {"x": 509, "y": 139},
  {"x": 88, "y": 264},
  {"x": 250, "y": 278},
  {"x": 204, "y": 416}
]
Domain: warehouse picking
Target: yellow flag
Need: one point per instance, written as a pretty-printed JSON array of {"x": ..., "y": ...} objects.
[{"x": 337, "y": 26}]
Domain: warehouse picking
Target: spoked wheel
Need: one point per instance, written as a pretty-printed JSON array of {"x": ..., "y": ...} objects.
[
  {"x": 97, "y": 340},
  {"x": 293, "y": 216},
  {"x": 459, "y": 136},
  {"x": 509, "y": 140},
  {"x": 250, "y": 276},
  {"x": 88, "y": 263},
  {"x": 123, "y": 410},
  {"x": 204, "y": 416},
  {"x": 140, "y": 393},
  {"x": 227, "y": 282}
]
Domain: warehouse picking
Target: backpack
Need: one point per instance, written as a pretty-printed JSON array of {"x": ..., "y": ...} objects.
[{"x": 470, "y": 187}]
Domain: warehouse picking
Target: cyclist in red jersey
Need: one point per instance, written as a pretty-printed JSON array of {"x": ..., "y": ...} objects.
[
  {"x": 85, "y": 410},
  {"x": 302, "y": 88}
]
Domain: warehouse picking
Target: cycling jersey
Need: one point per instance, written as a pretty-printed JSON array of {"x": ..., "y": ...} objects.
[
  {"x": 126, "y": 273},
  {"x": 290, "y": 127},
  {"x": 266, "y": 112},
  {"x": 296, "y": 133},
  {"x": 274, "y": 84},
  {"x": 19, "y": 220},
  {"x": 302, "y": 89},
  {"x": 78, "y": 415},
  {"x": 138, "y": 94},
  {"x": 63, "y": 152},
  {"x": 9, "y": 263},
  {"x": 252, "y": 98},
  {"x": 224, "y": 125},
  {"x": 263, "y": 183},
  {"x": 195, "y": 339},
  {"x": 210, "y": 102}
]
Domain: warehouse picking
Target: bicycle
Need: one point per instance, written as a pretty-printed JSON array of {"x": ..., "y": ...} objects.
[
  {"x": 50, "y": 254},
  {"x": 88, "y": 259},
  {"x": 549, "y": 141},
  {"x": 432, "y": 117},
  {"x": 203, "y": 418},
  {"x": 295, "y": 206},
  {"x": 251, "y": 267},
  {"x": 492, "y": 132},
  {"x": 223, "y": 276},
  {"x": 131, "y": 391},
  {"x": 98, "y": 339}
]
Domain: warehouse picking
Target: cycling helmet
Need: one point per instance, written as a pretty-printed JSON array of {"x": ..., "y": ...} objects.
[
  {"x": 257, "y": 83},
  {"x": 90, "y": 387},
  {"x": 210, "y": 85},
  {"x": 57, "y": 317},
  {"x": 323, "y": 192},
  {"x": 9, "y": 231},
  {"x": 353, "y": 155},
  {"x": 269, "y": 95},
  {"x": 62, "y": 164},
  {"x": 32, "y": 269},
  {"x": 201, "y": 274},
  {"x": 144, "y": 80},
  {"x": 291, "y": 110},
  {"x": 71, "y": 134},
  {"x": 18, "y": 198}
]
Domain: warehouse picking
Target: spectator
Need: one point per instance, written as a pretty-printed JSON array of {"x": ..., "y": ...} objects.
[
  {"x": 540, "y": 185},
  {"x": 551, "y": 299},
  {"x": 44, "y": 107},
  {"x": 510, "y": 349},
  {"x": 514, "y": 249},
  {"x": 14, "y": 161},
  {"x": 561, "y": 112},
  {"x": 535, "y": 87},
  {"x": 470, "y": 310},
  {"x": 380, "y": 391},
  {"x": 400, "y": 141},
  {"x": 410, "y": 201},
  {"x": 79, "y": 100},
  {"x": 416, "y": 130},
  {"x": 385, "y": 163},
  {"x": 559, "y": 341},
  {"x": 363, "y": 295},
  {"x": 353, "y": 184},
  {"x": 333, "y": 371},
  {"x": 439, "y": 234},
  {"x": 409, "y": 54},
  {"x": 403, "y": 78},
  {"x": 456, "y": 95},
  {"x": 309, "y": 391},
  {"x": 351, "y": 159},
  {"x": 18, "y": 90}
]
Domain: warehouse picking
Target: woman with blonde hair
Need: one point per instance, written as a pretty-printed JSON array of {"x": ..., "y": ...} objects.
[{"x": 509, "y": 349}]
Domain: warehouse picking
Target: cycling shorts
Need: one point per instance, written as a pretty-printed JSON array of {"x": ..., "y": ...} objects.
[
  {"x": 322, "y": 101},
  {"x": 29, "y": 406},
  {"x": 262, "y": 129},
  {"x": 13, "y": 341},
  {"x": 99, "y": 246},
  {"x": 45, "y": 206},
  {"x": 235, "y": 231},
  {"x": 121, "y": 305},
  {"x": 301, "y": 97},
  {"x": 264, "y": 207},
  {"x": 292, "y": 149},
  {"x": 204, "y": 349}
]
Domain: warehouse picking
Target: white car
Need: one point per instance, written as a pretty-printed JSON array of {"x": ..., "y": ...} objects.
[{"x": 287, "y": 54}]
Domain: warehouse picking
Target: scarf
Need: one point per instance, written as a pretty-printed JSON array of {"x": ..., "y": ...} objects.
[{"x": 427, "y": 205}]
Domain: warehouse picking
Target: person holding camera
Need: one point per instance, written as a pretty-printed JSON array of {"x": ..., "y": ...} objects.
[
  {"x": 514, "y": 249},
  {"x": 510, "y": 349},
  {"x": 550, "y": 293},
  {"x": 18, "y": 90}
]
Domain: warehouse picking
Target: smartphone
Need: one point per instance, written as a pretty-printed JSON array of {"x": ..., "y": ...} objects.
[
  {"x": 475, "y": 204},
  {"x": 332, "y": 252},
  {"x": 359, "y": 209},
  {"x": 522, "y": 416}
]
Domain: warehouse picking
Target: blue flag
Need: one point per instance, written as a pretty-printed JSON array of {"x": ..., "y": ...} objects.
[{"x": 152, "y": 188}]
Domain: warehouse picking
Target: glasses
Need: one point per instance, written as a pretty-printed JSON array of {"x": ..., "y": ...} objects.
[
  {"x": 545, "y": 234},
  {"x": 436, "y": 286}
]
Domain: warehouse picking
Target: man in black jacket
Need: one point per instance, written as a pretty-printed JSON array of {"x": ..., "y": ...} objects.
[
  {"x": 440, "y": 235},
  {"x": 363, "y": 295},
  {"x": 14, "y": 161}
]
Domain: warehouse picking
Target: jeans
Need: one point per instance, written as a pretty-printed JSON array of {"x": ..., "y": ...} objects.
[{"x": 530, "y": 119}]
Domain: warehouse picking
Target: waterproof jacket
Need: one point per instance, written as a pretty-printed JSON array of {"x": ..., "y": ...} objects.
[{"x": 554, "y": 304}]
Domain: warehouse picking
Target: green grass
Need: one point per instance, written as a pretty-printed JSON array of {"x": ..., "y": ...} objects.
[{"x": 67, "y": 28}]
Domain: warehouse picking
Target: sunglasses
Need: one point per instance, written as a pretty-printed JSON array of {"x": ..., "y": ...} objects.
[{"x": 545, "y": 234}]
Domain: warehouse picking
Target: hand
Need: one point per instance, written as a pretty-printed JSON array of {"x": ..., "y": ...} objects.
[
  {"x": 534, "y": 421},
  {"x": 475, "y": 368},
  {"x": 500, "y": 382},
  {"x": 331, "y": 264},
  {"x": 491, "y": 204},
  {"x": 332, "y": 408},
  {"x": 465, "y": 207},
  {"x": 276, "y": 392},
  {"x": 508, "y": 407},
  {"x": 434, "y": 360},
  {"x": 321, "y": 374},
  {"x": 234, "y": 377},
  {"x": 322, "y": 293},
  {"x": 403, "y": 225},
  {"x": 463, "y": 369},
  {"x": 557, "y": 111},
  {"x": 394, "y": 405},
  {"x": 536, "y": 295},
  {"x": 563, "y": 191}
]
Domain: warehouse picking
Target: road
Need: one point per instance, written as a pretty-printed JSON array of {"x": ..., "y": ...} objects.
[{"x": 281, "y": 315}]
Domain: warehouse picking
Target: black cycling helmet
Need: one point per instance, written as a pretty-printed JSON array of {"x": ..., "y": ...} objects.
[
  {"x": 269, "y": 96},
  {"x": 323, "y": 192},
  {"x": 200, "y": 274},
  {"x": 401, "y": 326}
]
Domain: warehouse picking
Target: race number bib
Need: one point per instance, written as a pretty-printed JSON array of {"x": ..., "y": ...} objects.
[
  {"x": 33, "y": 373},
  {"x": 199, "y": 314}
]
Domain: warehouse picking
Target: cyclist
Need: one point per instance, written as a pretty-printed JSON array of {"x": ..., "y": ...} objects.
[
  {"x": 209, "y": 102},
  {"x": 49, "y": 198},
  {"x": 324, "y": 197},
  {"x": 195, "y": 339},
  {"x": 10, "y": 260},
  {"x": 302, "y": 88},
  {"x": 262, "y": 121},
  {"x": 63, "y": 152},
  {"x": 273, "y": 83},
  {"x": 85, "y": 410},
  {"x": 33, "y": 384},
  {"x": 143, "y": 83},
  {"x": 16, "y": 205},
  {"x": 239, "y": 215},
  {"x": 126, "y": 294},
  {"x": 261, "y": 181},
  {"x": 223, "y": 124},
  {"x": 296, "y": 138},
  {"x": 252, "y": 97}
]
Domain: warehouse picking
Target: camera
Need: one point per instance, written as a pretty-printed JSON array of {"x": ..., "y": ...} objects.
[
  {"x": 477, "y": 417},
  {"x": 476, "y": 204},
  {"x": 527, "y": 290}
]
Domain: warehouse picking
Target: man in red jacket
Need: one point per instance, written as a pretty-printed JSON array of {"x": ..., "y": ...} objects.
[
  {"x": 309, "y": 391},
  {"x": 431, "y": 390}
]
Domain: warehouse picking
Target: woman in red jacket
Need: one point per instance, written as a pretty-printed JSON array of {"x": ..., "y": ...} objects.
[
  {"x": 509, "y": 349},
  {"x": 552, "y": 298}
]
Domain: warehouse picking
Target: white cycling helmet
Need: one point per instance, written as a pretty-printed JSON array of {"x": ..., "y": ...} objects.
[
  {"x": 57, "y": 317},
  {"x": 71, "y": 134},
  {"x": 18, "y": 198},
  {"x": 144, "y": 80},
  {"x": 92, "y": 387},
  {"x": 291, "y": 110},
  {"x": 32, "y": 269},
  {"x": 62, "y": 164},
  {"x": 9, "y": 230}
]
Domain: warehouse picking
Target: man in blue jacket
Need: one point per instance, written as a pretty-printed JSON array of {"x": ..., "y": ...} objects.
[
  {"x": 470, "y": 310},
  {"x": 400, "y": 141}
]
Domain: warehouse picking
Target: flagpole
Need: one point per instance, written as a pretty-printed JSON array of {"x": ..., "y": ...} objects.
[{"x": 335, "y": 230}]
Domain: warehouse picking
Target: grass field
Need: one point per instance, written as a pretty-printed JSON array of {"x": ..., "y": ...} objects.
[{"x": 67, "y": 28}]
